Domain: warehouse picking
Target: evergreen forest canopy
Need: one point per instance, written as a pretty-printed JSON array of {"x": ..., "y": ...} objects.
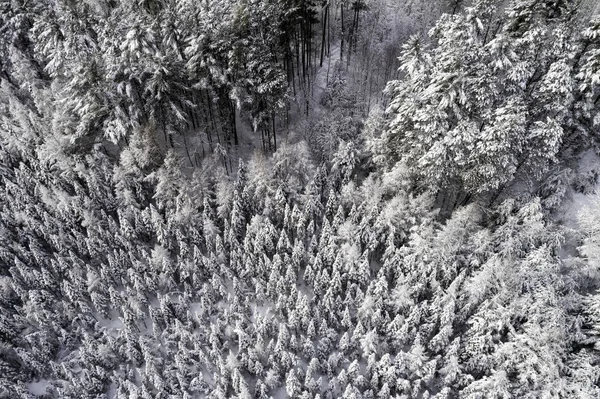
[{"x": 364, "y": 199}]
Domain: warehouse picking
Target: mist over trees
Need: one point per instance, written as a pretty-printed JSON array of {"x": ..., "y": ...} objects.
[{"x": 364, "y": 199}]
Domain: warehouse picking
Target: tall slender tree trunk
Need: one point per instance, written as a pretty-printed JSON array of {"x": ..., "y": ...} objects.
[
  {"x": 356, "y": 29},
  {"x": 233, "y": 123},
  {"x": 455, "y": 8},
  {"x": 289, "y": 59},
  {"x": 328, "y": 32},
  {"x": 164, "y": 128},
  {"x": 274, "y": 132},
  {"x": 287, "y": 118},
  {"x": 303, "y": 43},
  {"x": 343, "y": 32},
  {"x": 297, "y": 48},
  {"x": 353, "y": 34},
  {"x": 187, "y": 151},
  {"x": 309, "y": 46},
  {"x": 212, "y": 117}
]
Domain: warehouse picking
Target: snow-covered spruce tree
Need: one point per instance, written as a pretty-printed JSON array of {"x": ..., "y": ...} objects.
[{"x": 490, "y": 98}]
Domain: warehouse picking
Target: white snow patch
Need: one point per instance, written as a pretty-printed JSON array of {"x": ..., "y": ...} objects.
[
  {"x": 577, "y": 204},
  {"x": 280, "y": 394},
  {"x": 111, "y": 324},
  {"x": 112, "y": 391},
  {"x": 38, "y": 388},
  {"x": 323, "y": 75},
  {"x": 260, "y": 310}
]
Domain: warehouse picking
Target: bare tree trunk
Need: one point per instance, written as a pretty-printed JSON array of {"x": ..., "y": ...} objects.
[
  {"x": 164, "y": 128},
  {"x": 328, "y": 33},
  {"x": 308, "y": 38},
  {"x": 303, "y": 43},
  {"x": 343, "y": 34},
  {"x": 187, "y": 151},
  {"x": 212, "y": 117},
  {"x": 455, "y": 8},
  {"x": 297, "y": 48},
  {"x": 274, "y": 132},
  {"x": 233, "y": 125},
  {"x": 356, "y": 29},
  {"x": 287, "y": 118},
  {"x": 351, "y": 39}
]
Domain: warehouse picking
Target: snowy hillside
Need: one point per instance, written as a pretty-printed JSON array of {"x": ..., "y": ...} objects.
[{"x": 361, "y": 199}]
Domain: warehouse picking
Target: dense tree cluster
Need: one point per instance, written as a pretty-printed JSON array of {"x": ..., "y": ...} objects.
[
  {"x": 321, "y": 267},
  {"x": 116, "y": 282},
  {"x": 184, "y": 71},
  {"x": 500, "y": 92}
]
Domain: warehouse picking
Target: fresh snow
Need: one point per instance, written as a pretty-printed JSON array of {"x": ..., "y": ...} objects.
[{"x": 38, "y": 388}]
